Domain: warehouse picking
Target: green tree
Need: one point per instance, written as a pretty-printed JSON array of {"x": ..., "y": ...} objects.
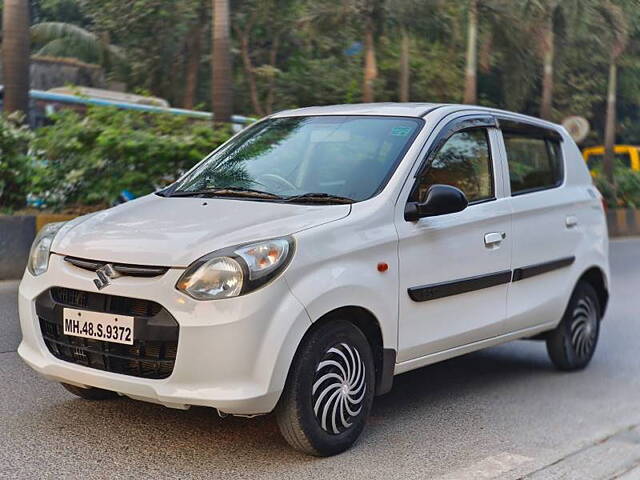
[
  {"x": 58, "y": 39},
  {"x": 430, "y": 21},
  {"x": 371, "y": 15},
  {"x": 614, "y": 18},
  {"x": 545, "y": 18},
  {"x": 15, "y": 164},
  {"x": 263, "y": 31},
  {"x": 193, "y": 54},
  {"x": 153, "y": 33},
  {"x": 471, "y": 63}
]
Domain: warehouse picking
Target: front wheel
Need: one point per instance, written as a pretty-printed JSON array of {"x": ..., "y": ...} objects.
[
  {"x": 572, "y": 344},
  {"x": 329, "y": 391}
]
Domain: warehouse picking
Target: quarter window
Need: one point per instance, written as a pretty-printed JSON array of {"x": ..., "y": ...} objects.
[
  {"x": 464, "y": 161},
  {"x": 534, "y": 163}
]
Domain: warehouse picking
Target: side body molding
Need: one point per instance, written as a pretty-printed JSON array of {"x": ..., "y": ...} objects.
[{"x": 446, "y": 289}]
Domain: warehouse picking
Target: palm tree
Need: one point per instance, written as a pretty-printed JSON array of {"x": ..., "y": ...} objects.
[
  {"x": 221, "y": 90},
  {"x": 371, "y": 13},
  {"x": 543, "y": 16},
  {"x": 616, "y": 24},
  {"x": 414, "y": 19},
  {"x": 471, "y": 63},
  {"x": 15, "y": 55},
  {"x": 365, "y": 16},
  {"x": 59, "y": 39},
  {"x": 405, "y": 70},
  {"x": 370, "y": 72}
]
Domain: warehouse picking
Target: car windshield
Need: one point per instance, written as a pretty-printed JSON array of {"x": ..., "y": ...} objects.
[{"x": 344, "y": 158}]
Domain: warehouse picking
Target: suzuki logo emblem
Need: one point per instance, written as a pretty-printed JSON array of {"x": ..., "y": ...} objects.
[{"x": 105, "y": 274}]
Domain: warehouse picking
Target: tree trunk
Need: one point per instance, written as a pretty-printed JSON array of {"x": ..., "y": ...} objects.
[
  {"x": 271, "y": 85},
  {"x": 485, "y": 52},
  {"x": 248, "y": 70},
  {"x": 15, "y": 55},
  {"x": 548, "y": 53},
  {"x": 471, "y": 68},
  {"x": 405, "y": 72},
  {"x": 610, "y": 125},
  {"x": 194, "y": 55},
  {"x": 370, "y": 67},
  {"x": 221, "y": 89}
]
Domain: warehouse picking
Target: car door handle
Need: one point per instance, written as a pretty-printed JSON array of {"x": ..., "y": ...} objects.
[
  {"x": 571, "y": 221},
  {"x": 494, "y": 239}
]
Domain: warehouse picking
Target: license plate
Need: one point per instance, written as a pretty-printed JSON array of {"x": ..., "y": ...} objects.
[{"x": 98, "y": 326}]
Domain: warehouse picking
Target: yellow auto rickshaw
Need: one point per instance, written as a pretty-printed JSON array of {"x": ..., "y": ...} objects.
[{"x": 627, "y": 156}]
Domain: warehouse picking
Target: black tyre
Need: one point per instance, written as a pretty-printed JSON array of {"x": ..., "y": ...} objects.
[
  {"x": 572, "y": 344},
  {"x": 91, "y": 393},
  {"x": 329, "y": 390}
]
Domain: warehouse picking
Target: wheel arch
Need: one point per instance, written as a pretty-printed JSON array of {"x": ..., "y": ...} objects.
[
  {"x": 366, "y": 321},
  {"x": 596, "y": 277}
]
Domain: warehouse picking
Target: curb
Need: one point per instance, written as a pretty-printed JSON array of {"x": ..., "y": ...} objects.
[{"x": 623, "y": 222}]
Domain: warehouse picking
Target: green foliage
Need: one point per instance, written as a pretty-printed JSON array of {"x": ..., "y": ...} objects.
[
  {"x": 627, "y": 188},
  {"x": 89, "y": 160},
  {"x": 15, "y": 165},
  {"x": 59, "y": 39},
  {"x": 153, "y": 33},
  {"x": 67, "y": 11}
]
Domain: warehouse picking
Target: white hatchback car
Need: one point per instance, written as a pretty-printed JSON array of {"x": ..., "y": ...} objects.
[{"x": 317, "y": 254}]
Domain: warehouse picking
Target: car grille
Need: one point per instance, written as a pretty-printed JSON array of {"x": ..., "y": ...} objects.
[
  {"x": 121, "y": 268},
  {"x": 152, "y": 354}
]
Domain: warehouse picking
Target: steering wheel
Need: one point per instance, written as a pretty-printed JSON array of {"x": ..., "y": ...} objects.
[{"x": 270, "y": 177}]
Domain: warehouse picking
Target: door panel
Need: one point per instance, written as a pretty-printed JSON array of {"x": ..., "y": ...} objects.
[
  {"x": 544, "y": 245},
  {"x": 464, "y": 282},
  {"x": 546, "y": 229},
  {"x": 455, "y": 268}
]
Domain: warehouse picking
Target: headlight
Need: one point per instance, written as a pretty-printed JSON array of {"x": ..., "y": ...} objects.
[
  {"x": 41, "y": 248},
  {"x": 235, "y": 271}
]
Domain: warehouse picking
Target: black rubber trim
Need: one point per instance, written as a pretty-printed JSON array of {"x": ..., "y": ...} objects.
[
  {"x": 446, "y": 289},
  {"x": 522, "y": 127},
  {"x": 540, "y": 268},
  {"x": 123, "y": 269},
  {"x": 456, "y": 287},
  {"x": 384, "y": 382}
]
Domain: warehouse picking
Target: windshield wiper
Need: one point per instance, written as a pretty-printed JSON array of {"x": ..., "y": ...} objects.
[
  {"x": 228, "y": 192},
  {"x": 319, "y": 198}
]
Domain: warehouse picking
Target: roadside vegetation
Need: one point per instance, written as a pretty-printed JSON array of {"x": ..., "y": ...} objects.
[
  {"x": 547, "y": 58},
  {"x": 82, "y": 163}
]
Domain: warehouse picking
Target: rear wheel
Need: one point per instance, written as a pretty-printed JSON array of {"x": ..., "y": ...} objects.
[
  {"x": 329, "y": 391},
  {"x": 90, "y": 393},
  {"x": 572, "y": 344}
]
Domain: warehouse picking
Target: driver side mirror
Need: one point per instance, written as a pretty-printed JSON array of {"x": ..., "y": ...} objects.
[{"x": 440, "y": 200}]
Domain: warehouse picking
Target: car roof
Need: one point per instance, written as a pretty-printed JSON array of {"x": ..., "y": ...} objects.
[
  {"x": 391, "y": 109},
  {"x": 398, "y": 109}
]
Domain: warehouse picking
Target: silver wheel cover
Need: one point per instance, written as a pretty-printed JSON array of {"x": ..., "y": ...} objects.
[
  {"x": 584, "y": 327},
  {"x": 339, "y": 388}
]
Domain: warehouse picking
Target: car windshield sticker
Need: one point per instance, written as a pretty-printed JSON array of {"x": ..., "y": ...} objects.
[{"x": 401, "y": 131}]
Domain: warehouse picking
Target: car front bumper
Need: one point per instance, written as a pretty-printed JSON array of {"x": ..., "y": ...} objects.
[{"x": 233, "y": 354}]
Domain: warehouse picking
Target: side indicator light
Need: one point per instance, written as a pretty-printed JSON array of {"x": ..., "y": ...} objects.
[{"x": 383, "y": 267}]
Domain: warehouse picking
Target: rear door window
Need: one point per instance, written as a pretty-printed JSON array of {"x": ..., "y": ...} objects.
[{"x": 535, "y": 163}]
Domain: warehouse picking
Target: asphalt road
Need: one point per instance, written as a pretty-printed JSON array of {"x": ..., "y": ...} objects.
[{"x": 499, "y": 413}]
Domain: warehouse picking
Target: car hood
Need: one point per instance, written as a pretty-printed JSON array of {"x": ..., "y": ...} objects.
[{"x": 174, "y": 232}]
